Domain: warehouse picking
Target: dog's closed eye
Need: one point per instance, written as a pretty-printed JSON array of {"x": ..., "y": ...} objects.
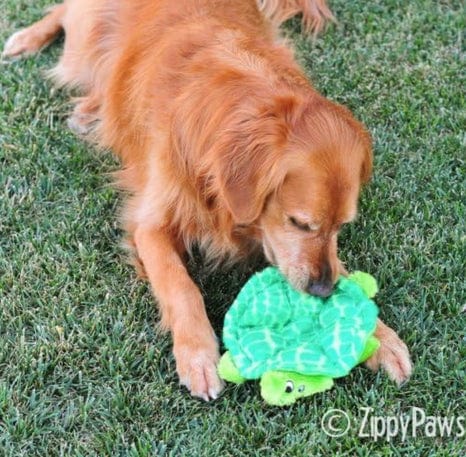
[{"x": 300, "y": 225}]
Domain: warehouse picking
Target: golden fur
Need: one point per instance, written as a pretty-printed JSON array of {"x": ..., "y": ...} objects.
[{"x": 223, "y": 143}]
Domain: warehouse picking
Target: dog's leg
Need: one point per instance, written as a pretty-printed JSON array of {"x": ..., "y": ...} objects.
[
  {"x": 194, "y": 343},
  {"x": 85, "y": 115},
  {"x": 392, "y": 356},
  {"x": 315, "y": 13},
  {"x": 33, "y": 38}
]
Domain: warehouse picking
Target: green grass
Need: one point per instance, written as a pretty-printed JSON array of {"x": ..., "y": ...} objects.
[{"x": 83, "y": 370}]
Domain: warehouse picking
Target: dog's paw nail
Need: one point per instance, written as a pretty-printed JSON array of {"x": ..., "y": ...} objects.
[
  {"x": 214, "y": 394},
  {"x": 401, "y": 383}
]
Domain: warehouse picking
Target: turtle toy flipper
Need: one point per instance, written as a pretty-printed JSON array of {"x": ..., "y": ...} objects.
[
  {"x": 372, "y": 344},
  {"x": 366, "y": 282},
  {"x": 296, "y": 343},
  {"x": 227, "y": 369}
]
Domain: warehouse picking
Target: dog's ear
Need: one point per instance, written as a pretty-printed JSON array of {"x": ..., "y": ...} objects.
[{"x": 250, "y": 159}]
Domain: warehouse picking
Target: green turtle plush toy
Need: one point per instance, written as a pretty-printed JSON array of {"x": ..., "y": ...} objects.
[{"x": 294, "y": 342}]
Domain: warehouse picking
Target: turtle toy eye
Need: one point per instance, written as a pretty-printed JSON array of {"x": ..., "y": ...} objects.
[
  {"x": 289, "y": 387},
  {"x": 301, "y": 388}
]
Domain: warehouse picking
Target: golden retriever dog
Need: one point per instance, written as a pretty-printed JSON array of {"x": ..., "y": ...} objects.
[{"x": 224, "y": 144}]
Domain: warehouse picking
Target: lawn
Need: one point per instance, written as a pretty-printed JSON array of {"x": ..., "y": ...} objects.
[{"x": 83, "y": 369}]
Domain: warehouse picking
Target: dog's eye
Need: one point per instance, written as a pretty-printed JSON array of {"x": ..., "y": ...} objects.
[{"x": 299, "y": 225}]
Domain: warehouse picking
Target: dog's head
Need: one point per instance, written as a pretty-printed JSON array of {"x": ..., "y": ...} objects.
[{"x": 295, "y": 173}]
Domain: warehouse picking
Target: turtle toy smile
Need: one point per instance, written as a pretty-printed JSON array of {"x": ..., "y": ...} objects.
[{"x": 296, "y": 343}]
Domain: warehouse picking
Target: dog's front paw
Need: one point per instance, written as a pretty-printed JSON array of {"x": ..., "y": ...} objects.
[
  {"x": 23, "y": 42},
  {"x": 197, "y": 369},
  {"x": 392, "y": 356}
]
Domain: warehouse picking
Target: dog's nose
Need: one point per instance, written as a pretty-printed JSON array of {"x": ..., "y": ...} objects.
[
  {"x": 323, "y": 286},
  {"x": 320, "y": 289}
]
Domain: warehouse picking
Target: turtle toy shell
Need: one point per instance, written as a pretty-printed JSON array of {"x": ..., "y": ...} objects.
[{"x": 273, "y": 327}]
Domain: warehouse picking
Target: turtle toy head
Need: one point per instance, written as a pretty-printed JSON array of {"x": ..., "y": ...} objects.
[
  {"x": 282, "y": 388},
  {"x": 296, "y": 343},
  {"x": 285, "y": 387}
]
